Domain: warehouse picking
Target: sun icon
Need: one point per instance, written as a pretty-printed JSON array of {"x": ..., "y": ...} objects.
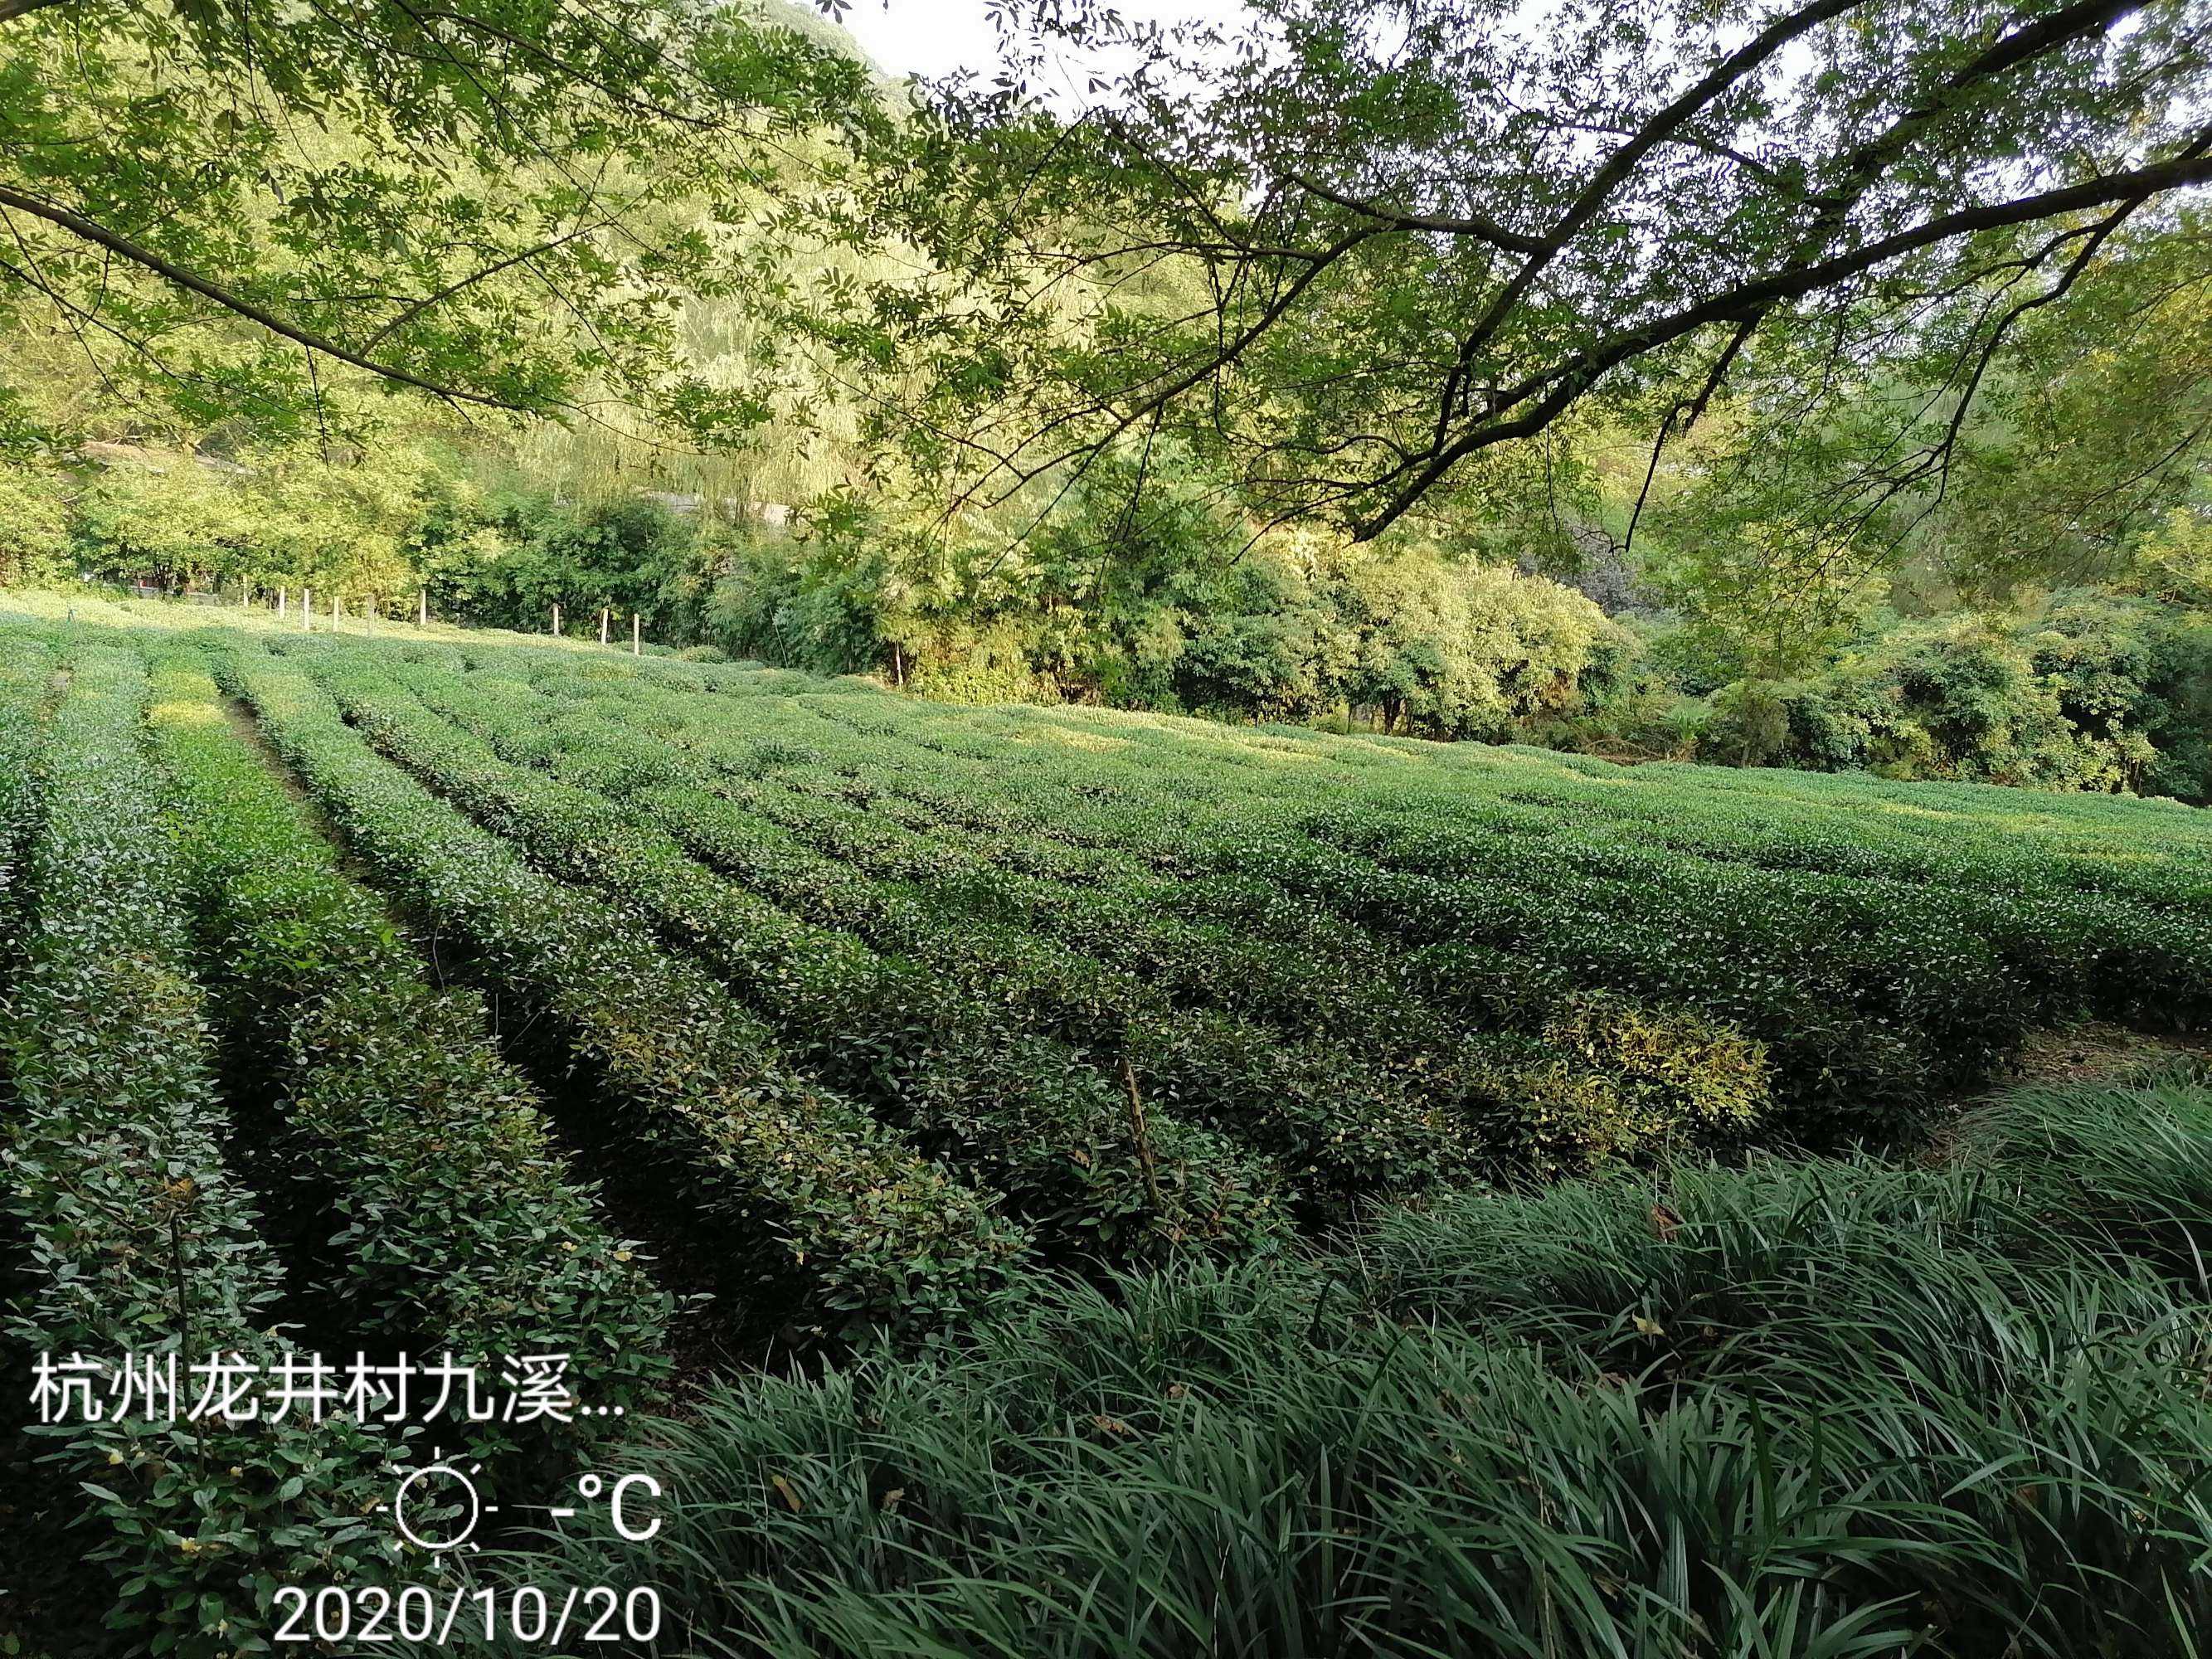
[{"x": 445, "y": 1503}]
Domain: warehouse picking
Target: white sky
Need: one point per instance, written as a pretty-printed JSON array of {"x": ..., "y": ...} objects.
[{"x": 935, "y": 37}]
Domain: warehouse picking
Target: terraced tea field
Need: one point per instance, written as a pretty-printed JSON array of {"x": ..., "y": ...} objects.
[{"x": 431, "y": 991}]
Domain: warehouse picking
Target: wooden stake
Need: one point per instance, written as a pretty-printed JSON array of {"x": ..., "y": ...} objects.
[
  {"x": 603, "y": 624},
  {"x": 556, "y": 622},
  {"x": 422, "y": 608},
  {"x": 637, "y": 639},
  {"x": 283, "y": 594},
  {"x": 1141, "y": 1135}
]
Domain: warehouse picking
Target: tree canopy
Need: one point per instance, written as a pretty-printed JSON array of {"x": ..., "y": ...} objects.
[
  {"x": 499, "y": 204},
  {"x": 1233, "y": 383},
  {"x": 1356, "y": 252}
]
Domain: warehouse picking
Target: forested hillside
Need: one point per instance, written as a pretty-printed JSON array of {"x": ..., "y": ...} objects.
[{"x": 1931, "y": 513}]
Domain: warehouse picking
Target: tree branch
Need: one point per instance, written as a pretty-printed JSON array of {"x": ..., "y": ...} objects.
[
  {"x": 99, "y": 236},
  {"x": 1624, "y": 160},
  {"x": 1484, "y": 230},
  {"x": 1569, "y": 379},
  {"x": 417, "y": 308}
]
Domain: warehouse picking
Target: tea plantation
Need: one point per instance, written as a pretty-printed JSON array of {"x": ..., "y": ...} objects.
[{"x": 1059, "y": 1181}]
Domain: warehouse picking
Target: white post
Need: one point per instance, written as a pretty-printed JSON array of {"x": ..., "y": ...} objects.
[
  {"x": 422, "y": 608},
  {"x": 337, "y": 612},
  {"x": 306, "y": 609},
  {"x": 283, "y": 594},
  {"x": 636, "y": 648},
  {"x": 556, "y": 622},
  {"x": 603, "y": 624}
]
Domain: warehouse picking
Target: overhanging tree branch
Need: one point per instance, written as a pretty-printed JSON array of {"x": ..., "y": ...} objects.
[
  {"x": 91, "y": 231},
  {"x": 1745, "y": 61},
  {"x": 1483, "y": 230},
  {"x": 1569, "y": 379},
  {"x": 459, "y": 285}
]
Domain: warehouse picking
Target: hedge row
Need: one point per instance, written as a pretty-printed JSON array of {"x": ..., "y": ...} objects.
[
  {"x": 1397, "y": 1053},
  {"x": 1966, "y": 830},
  {"x": 1239, "y": 941},
  {"x": 1438, "y": 1013},
  {"x": 413, "y": 1163},
  {"x": 2101, "y": 857},
  {"x": 131, "y": 1236},
  {"x": 1055, "y": 1137},
  {"x": 1344, "y": 1124},
  {"x": 821, "y": 1205},
  {"x": 27, "y": 668},
  {"x": 1881, "y": 1012},
  {"x": 2068, "y": 952},
  {"x": 2000, "y": 839},
  {"x": 1976, "y": 835},
  {"x": 1392, "y": 1096}
]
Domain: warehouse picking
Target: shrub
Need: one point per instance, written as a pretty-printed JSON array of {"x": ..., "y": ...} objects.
[
  {"x": 25, "y": 668},
  {"x": 814, "y": 1199},
  {"x": 2083, "y": 691},
  {"x": 34, "y": 529},
  {"x": 1053, "y": 1136},
  {"x": 1749, "y": 724},
  {"x": 989, "y": 664},
  {"x": 1469, "y": 650},
  {"x": 1349, "y": 1123},
  {"x": 1679, "y": 1078},
  {"x": 416, "y": 1170},
  {"x": 1345, "y": 1128},
  {"x": 121, "y": 1204},
  {"x": 1883, "y": 942}
]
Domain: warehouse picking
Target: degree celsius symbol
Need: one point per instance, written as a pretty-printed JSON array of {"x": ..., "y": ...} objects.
[{"x": 590, "y": 1486}]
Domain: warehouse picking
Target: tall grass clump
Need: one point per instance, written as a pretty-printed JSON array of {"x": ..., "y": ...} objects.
[{"x": 1832, "y": 1407}]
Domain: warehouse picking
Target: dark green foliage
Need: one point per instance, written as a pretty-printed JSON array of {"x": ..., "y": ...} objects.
[
  {"x": 1016, "y": 1107},
  {"x": 1882, "y": 941},
  {"x": 628, "y": 555},
  {"x": 2087, "y": 691},
  {"x": 26, "y": 667},
  {"x": 1374, "y": 1078},
  {"x": 805, "y": 1195},
  {"x": 781, "y": 943},
  {"x": 415, "y": 1160},
  {"x": 128, "y": 1234},
  {"x": 1826, "y": 1408}
]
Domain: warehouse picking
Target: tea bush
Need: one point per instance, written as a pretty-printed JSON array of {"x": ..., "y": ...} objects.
[
  {"x": 409, "y": 1158},
  {"x": 126, "y": 1231},
  {"x": 822, "y": 1206}
]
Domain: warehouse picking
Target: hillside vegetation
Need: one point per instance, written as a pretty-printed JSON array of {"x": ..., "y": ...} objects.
[{"x": 1285, "y": 829}]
